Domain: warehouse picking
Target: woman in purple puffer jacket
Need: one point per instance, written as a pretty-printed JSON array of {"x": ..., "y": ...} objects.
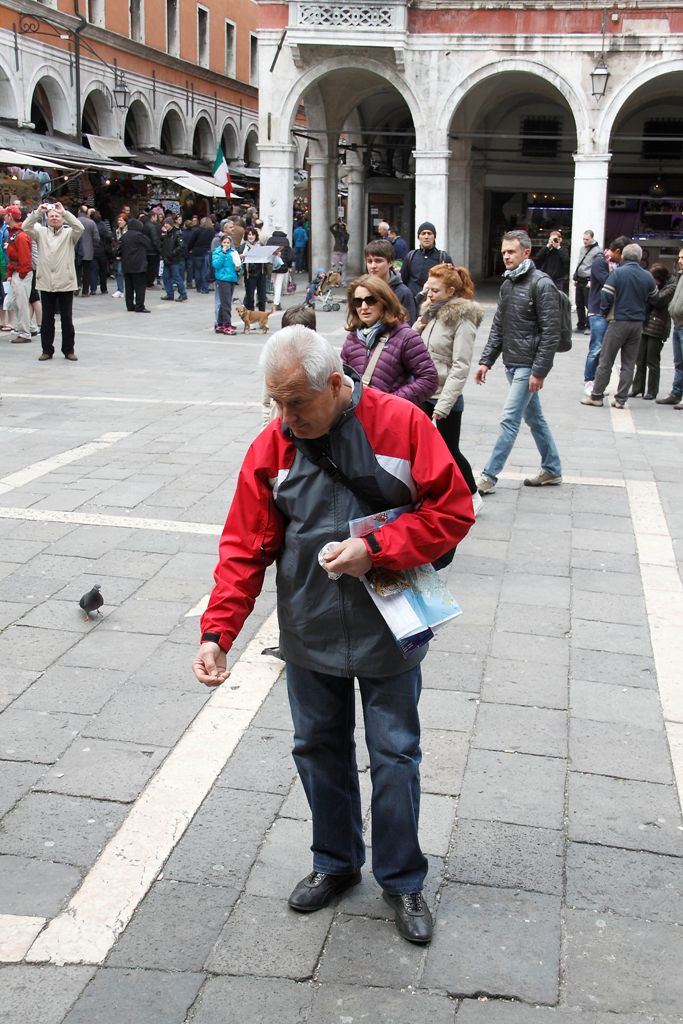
[{"x": 385, "y": 351}]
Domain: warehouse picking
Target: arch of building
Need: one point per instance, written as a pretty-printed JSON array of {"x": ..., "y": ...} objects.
[
  {"x": 9, "y": 99},
  {"x": 138, "y": 130},
  {"x": 98, "y": 105},
  {"x": 172, "y": 131},
  {"x": 229, "y": 140},
  {"x": 493, "y": 172},
  {"x": 332, "y": 90},
  {"x": 203, "y": 140},
  {"x": 651, "y": 76},
  {"x": 59, "y": 113},
  {"x": 250, "y": 152}
]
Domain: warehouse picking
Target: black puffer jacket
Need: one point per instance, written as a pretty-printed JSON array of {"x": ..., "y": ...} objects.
[
  {"x": 658, "y": 324},
  {"x": 526, "y": 332}
]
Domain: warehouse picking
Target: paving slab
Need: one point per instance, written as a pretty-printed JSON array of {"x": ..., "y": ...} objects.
[
  {"x": 622, "y": 751},
  {"x": 536, "y": 684},
  {"x": 623, "y": 965},
  {"x": 523, "y": 647},
  {"x": 621, "y": 812},
  {"x": 360, "y": 951},
  {"x": 65, "y": 829},
  {"x": 494, "y": 853},
  {"x": 258, "y": 999},
  {"x": 103, "y": 770},
  {"x": 123, "y": 651},
  {"x": 444, "y": 670},
  {"x": 521, "y": 729},
  {"x": 627, "y": 882},
  {"x": 518, "y": 788},
  {"x": 625, "y": 705},
  {"x": 609, "y": 667},
  {"x": 443, "y": 761},
  {"x": 262, "y": 761},
  {"x": 533, "y": 589},
  {"x": 175, "y": 927},
  {"x": 17, "y": 779},
  {"x": 497, "y": 942},
  {"x": 35, "y": 888},
  {"x": 448, "y": 709},
  {"x": 614, "y": 637},
  {"x": 340, "y": 1004},
  {"x": 115, "y": 995},
  {"x": 39, "y": 736},
  {"x": 66, "y": 688},
  {"x": 147, "y": 715},
  {"x": 498, "y": 1011},
  {"x": 40, "y": 995},
  {"x": 544, "y": 621},
  {"x": 289, "y": 944},
  {"x": 223, "y": 838}
]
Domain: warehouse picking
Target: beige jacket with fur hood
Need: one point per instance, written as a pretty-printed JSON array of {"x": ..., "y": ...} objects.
[{"x": 449, "y": 338}]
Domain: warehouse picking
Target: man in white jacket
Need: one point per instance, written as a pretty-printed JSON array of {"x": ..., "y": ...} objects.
[{"x": 56, "y": 273}]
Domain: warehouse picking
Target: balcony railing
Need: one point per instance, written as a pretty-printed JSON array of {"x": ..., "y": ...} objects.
[{"x": 384, "y": 16}]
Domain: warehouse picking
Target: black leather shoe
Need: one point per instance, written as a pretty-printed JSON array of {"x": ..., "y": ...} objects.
[
  {"x": 317, "y": 889},
  {"x": 669, "y": 400},
  {"x": 649, "y": 398},
  {"x": 413, "y": 918}
]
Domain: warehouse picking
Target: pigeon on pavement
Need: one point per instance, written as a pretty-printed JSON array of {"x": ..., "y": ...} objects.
[{"x": 92, "y": 601}]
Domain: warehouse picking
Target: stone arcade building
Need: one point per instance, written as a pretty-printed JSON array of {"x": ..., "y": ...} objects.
[{"x": 477, "y": 116}]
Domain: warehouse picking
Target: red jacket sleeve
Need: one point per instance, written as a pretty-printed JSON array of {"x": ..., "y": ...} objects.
[
  {"x": 250, "y": 540},
  {"x": 22, "y": 250},
  {"x": 443, "y": 514}
]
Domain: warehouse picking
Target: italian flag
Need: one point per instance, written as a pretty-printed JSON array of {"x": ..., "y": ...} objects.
[{"x": 221, "y": 173}]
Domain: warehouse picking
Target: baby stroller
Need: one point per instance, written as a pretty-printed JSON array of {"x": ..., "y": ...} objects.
[{"x": 320, "y": 294}]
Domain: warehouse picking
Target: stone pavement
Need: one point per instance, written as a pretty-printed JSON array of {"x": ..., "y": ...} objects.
[{"x": 151, "y": 831}]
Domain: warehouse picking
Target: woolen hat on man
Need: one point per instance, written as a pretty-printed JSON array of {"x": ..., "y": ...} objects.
[{"x": 426, "y": 227}]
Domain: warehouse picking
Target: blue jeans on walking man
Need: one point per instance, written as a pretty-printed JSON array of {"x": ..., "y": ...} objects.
[
  {"x": 173, "y": 275},
  {"x": 522, "y": 404},
  {"x": 677, "y": 344},
  {"x": 323, "y": 712},
  {"x": 598, "y": 326}
]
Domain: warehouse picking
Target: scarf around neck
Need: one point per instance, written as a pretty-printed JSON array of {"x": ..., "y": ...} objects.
[
  {"x": 369, "y": 335},
  {"x": 525, "y": 265}
]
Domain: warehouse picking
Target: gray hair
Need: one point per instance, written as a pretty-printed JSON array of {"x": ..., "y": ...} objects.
[
  {"x": 632, "y": 251},
  {"x": 300, "y": 346},
  {"x": 518, "y": 236}
]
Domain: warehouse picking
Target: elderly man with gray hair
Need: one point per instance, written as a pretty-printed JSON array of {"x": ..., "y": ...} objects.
[
  {"x": 338, "y": 451},
  {"x": 625, "y": 294}
]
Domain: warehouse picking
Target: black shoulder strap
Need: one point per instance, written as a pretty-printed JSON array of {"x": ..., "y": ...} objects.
[{"x": 322, "y": 460}]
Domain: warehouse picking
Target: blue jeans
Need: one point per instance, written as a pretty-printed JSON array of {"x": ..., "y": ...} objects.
[
  {"x": 118, "y": 267},
  {"x": 173, "y": 275},
  {"x": 323, "y": 712},
  {"x": 522, "y": 404},
  {"x": 677, "y": 343},
  {"x": 200, "y": 270},
  {"x": 598, "y": 326}
]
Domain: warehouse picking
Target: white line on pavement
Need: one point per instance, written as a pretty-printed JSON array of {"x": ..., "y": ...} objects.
[
  {"x": 661, "y": 433},
  {"x": 104, "y": 904},
  {"x": 16, "y": 936},
  {"x": 46, "y": 515},
  {"x": 622, "y": 421},
  {"x": 663, "y": 592},
  {"x": 38, "y": 469},
  {"x": 132, "y": 399}
]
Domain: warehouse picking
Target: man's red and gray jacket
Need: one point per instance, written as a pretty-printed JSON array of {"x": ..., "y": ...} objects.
[{"x": 286, "y": 509}]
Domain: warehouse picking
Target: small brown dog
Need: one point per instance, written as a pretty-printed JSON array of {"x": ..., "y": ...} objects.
[{"x": 253, "y": 316}]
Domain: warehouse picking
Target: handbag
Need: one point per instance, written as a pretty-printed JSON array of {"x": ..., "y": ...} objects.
[{"x": 291, "y": 284}]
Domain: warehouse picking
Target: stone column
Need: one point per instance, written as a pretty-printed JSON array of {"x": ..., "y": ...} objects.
[
  {"x": 431, "y": 192},
  {"x": 277, "y": 186},
  {"x": 458, "y": 241},
  {"x": 590, "y": 201},
  {"x": 319, "y": 169},
  {"x": 355, "y": 178}
]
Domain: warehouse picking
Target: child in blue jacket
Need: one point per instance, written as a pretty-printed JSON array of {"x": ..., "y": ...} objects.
[{"x": 227, "y": 267}]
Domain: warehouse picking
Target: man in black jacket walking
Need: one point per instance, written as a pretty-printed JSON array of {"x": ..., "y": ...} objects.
[
  {"x": 526, "y": 329},
  {"x": 173, "y": 255}
]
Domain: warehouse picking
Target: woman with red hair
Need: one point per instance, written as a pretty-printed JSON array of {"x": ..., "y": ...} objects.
[{"x": 448, "y": 324}]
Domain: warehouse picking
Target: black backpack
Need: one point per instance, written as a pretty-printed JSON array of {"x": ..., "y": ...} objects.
[{"x": 565, "y": 343}]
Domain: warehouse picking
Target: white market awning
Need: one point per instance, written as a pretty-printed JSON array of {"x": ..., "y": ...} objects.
[{"x": 111, "y": 149}]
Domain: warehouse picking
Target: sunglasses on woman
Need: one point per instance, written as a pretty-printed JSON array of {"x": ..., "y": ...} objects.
[{"x": 358, "y": 300}]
